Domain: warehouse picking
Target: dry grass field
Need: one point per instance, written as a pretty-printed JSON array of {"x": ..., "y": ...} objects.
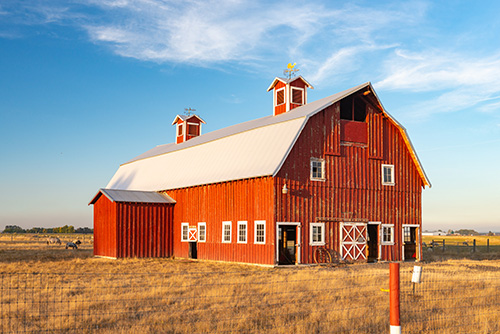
[{"x": 48, "y": 288}]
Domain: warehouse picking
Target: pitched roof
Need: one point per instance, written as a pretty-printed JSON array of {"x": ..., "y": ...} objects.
[
  {"x": 250, "y": 149},
  {"x": 117, "y": 195},
  {"x": 186, "y": 117},
  {"x": 286, "y": 81}
]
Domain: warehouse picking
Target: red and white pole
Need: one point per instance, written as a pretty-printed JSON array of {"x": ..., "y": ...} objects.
[{"x": 394, "y": 295}]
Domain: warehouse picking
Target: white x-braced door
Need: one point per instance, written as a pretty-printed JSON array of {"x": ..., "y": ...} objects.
[{"x": 353, "y": 241}]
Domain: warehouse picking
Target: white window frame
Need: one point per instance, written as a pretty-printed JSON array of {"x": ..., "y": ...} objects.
[
  {"x": 382, "y": 234},
  {"x": 187, "y": 129},
  {"x": 256, "y": 224},
  {"x": 199, "y": 234},
  {"x": 224, "y": 224},
  {"x": 291, "y": 95},
  {"x": 181, "y": 127},
  {"x": 276, "y": 96},
  {"x": 186, "y": 225},
  {"x": 242, "y": 223},
  {"x": 311, "y": 229},
  {"x": 384, "y": 182},
  {"x": 322, "y": 162}
]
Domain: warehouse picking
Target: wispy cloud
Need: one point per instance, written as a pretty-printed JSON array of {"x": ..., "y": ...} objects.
[{"x": 460, "y": 81}]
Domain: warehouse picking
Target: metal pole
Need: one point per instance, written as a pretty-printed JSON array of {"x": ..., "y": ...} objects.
[{"x": 394, "y": 298}]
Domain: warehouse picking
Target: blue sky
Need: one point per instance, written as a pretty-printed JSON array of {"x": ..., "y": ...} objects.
[{"x": 88, "y": 85}]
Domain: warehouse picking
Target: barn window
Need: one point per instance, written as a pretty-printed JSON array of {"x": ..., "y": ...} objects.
[
  {"x": 353, "y": 108},
  {"x": 185, "y": 232},
  {"x": 226, "y": 232},
  {"x": 180, "y": 128},
  {"x": 280, "y": 96},
  {"x": 193, "y": 129},
  {"x": 317, "y": 234},
  {"x": 242, "y": 232},
  {"x": 202, "y": 232},
  {"x": 317, "y": 169},
  {"x": 388, "y": 175},
  {"x": 260, "y": 232},
  {"x": 297, "y": 95},
  {"x": 387, "y": 234}
]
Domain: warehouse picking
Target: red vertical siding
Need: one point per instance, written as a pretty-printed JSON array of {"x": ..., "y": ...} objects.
[
  {"x": 144, "y": 230},
  {"x": 353, "y": 189},
  {"x": 105, "y": 227},
  {"x": 242, "y": 200}
]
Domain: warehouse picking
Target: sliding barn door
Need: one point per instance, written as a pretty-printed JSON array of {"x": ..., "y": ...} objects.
[{"x": 353, "y": 241}]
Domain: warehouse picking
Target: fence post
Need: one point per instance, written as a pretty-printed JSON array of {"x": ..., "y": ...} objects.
[
  {"x": 487, "y": 245},
  {"x": 443, "y": 244},
  {"x": 394, "y": 298},
  {"x": 474, "y": 246}
]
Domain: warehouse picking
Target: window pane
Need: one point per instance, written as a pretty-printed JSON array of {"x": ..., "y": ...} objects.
[
  {"x": 227, "y": 232},
  {"x": 260, "y": 233},
  {"x": 202, "y": 233},
  {"x": 184, "y": 232},
  {"x": 192, "y": 129},
  {"x": 242, "y": 236}
]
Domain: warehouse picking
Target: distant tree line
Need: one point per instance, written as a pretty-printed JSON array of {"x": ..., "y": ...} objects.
[{"x": 63, "y": 229}]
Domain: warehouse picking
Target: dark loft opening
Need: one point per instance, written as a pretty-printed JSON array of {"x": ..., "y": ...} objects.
[{"x": 353, "y": 109}]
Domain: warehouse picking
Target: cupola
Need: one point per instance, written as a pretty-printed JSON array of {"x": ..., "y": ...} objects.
[
  {"x": 187, "y": 126},
  {"x": 289, "y": 93}
]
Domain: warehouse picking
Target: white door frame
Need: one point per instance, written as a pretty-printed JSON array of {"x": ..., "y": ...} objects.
[
  {"x": 297, "y": 245},
  {"x": 379, "y": 241},
  {"x": 419, "y": 251}
]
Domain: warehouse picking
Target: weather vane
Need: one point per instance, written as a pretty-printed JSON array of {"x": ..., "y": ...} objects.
[
  {"x": 188, "y": 111},
  {"x": 290, "y": 71}
]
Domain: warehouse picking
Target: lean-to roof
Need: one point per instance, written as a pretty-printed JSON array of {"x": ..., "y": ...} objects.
[{"x": 117, "y": 195}]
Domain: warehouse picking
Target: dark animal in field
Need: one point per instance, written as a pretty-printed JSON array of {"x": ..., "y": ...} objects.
[
  {"x": 71, "y": 245},
  {"x": 77, "y": 242},
  {"x": 53, "y": 240}
]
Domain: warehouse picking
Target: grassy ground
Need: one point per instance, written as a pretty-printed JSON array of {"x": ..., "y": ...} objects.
[
  {"x": 461, "y": 247},
  {"x": 46, "y": 287}
]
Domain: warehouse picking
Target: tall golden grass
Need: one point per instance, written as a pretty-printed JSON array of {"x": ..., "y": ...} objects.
[{"x": 48, "y": 288}]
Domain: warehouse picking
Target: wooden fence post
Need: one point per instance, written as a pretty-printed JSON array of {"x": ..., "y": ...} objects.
[
  {"x": 394, "y": 298},
  {"x": 487, "y": 245},
  {"x": 474, "y": 246}
]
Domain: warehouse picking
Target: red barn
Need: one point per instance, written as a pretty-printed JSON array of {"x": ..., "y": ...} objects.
[{"x": 338, "y": 172}]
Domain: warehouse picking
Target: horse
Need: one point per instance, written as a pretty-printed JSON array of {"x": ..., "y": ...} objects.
[{"x": 53, "y": 240}]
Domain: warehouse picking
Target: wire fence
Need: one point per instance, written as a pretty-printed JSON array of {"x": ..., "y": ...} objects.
[{"x": 352, "y": 299}]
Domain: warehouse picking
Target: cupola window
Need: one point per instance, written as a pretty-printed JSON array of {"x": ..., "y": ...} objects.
[
  {"x": 297, "y": 95},
  {"x": 280, "y": 96}
]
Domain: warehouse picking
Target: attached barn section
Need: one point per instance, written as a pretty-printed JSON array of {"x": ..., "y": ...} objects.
[
  {"x": 132, "y": 224},
  {"x": 339, "y": 173}
]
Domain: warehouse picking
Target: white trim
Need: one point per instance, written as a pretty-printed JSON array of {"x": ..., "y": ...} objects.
[
  {"x": 298, "y": 244},
  {"x": 323, "y": 232},
  {"x": 256, "y": 223},
  {"x": 241, "y": 223},
  {"x": 387, "y": 243},
  {"x": 197, "y": 124},
  {"x": 182, "y": 232},
  {"x": 379, "y": 242},
  {"x": 276, "y": 96},
  {"x": 199, "y": 234},
  {"x": 392, "y": 175},
  {"x": 291, "y": 95},
  {"x": 323, "y": 172},
  {"x": 227, "y": 223},
  {"x": 179, "y": 125},
  {"x": 418, "y": 242}
]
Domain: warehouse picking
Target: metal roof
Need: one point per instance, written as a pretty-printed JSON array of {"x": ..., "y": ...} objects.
[
  {"x": 120, "y": 195},
  {"x": 288, "y": 80},
  {"x": 250, "y": 149}
]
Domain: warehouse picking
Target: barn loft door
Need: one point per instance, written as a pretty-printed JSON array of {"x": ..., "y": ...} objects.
[{"x": 353, "y": 241}]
